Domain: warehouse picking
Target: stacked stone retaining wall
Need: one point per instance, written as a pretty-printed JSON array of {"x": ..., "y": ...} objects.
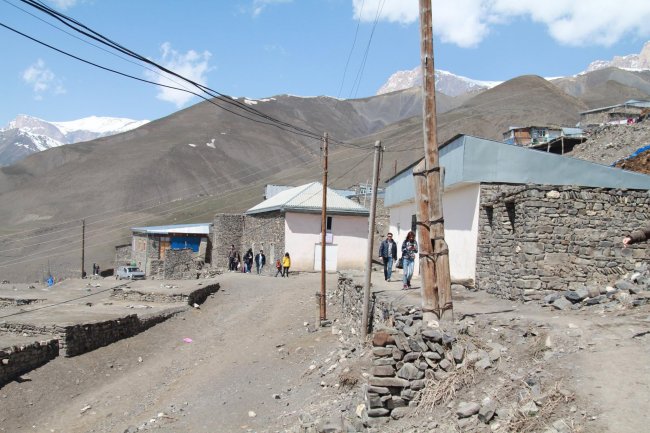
[
  {"x": 542, "y": 238},
  {"x": 18, "y": 360}
]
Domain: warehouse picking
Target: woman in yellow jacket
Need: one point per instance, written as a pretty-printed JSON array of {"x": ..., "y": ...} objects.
[{"x": 286, "y": 264}]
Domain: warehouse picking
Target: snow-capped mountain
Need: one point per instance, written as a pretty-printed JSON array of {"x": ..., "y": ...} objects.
[
  {"x": 446, "y": 82},
  {"x": 633, "y": 62},
  {"x": 25, "y": 134}
]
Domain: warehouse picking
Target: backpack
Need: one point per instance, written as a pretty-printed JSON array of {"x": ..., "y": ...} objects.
[{"x": 278, "y": 265}]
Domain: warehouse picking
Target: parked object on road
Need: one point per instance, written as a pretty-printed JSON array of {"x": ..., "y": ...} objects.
[{"x": 129, "y": 272}]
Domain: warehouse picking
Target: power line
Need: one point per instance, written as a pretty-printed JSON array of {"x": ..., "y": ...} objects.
[{"x": 357, "y": 80}]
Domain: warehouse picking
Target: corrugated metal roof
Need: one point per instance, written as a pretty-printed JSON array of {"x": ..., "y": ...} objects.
[
  {"x": 200, "y": 229},
  {"x": 468, "y": 159},
  {"x": 308, "y": 198}
]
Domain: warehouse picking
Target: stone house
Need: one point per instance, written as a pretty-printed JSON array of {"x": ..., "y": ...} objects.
[
  {"x": 619, "y": 113},
  {"x": 290, "y": 221},
  {"x": 520, "y": 219},
  {"x": 171, "y": 251}
]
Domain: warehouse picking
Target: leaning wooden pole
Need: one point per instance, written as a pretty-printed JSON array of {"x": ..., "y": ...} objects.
[
  {"x": 429, "y": 290},
  {"x": 371, "y": 236},
  {"x": 432, "y": 170},
  {"x": 323, "y": 251}
]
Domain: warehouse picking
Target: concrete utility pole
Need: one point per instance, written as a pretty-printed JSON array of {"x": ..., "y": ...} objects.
[
  {"x": 371, "y": 236},
  {"x": 323, "y": 283},
  {"x": 433, "y": 248},
  {"x": 83, "y": 247}
]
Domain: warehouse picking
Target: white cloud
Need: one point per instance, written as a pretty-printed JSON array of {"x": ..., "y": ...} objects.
[
  {"x": 42, "y": 80},
  {"x": 467, "y": 22},
  {"x": 64, "y": 4},
  {"x": 192, "y": 65},
  {"x": 259, "y": 5}
]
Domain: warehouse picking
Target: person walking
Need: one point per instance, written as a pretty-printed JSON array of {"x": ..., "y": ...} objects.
[
  {"x": 278, "y": 266},
  {"x": 409, "y": 250},
  {"x": 232, "y": 258},
  {"x": 260, "y": 261},
  {"x": 286, "y": 264},
  {"x": 248, "y": 260},
  {"x": 388, "y": 253}
]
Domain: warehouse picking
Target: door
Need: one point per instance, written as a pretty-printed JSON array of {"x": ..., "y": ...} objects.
[{"x": 331, "y": 257}]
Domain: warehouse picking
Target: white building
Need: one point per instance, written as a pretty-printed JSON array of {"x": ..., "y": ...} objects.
[
  {"x": 300, "y": 211},
  {"x": 472, "y": 168}
]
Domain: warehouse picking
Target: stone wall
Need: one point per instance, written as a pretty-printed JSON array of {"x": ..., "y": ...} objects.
[
  {"x": 264, "y": 232},
  {"x": 18, "y": 360},
  {"x": 145, "y": 249},
  {"x": 227, "y": 230},
  {"x": 181, "y": 264},
  {"x": 543, "y": 238},
  {"x": 122, "y": 255}
]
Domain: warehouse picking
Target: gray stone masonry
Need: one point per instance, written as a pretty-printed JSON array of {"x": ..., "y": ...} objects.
[
  {"x": 18, "y": 360},
  {"x": 266, "y": 232},
  {"x": 540, "y": 238},
  {"x": 227, "y": 230}
]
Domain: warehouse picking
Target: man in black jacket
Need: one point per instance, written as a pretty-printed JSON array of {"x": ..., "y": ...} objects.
[
  {"x": 388, "y": 253},
  {"x": 260, "y": 261}
]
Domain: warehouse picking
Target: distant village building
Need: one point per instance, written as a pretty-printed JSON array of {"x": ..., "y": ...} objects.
[
  {"x": 290, "y": 221},
  {"x": 518, "y": 219},
  {"x": 555, "y": 139},
  {"x": 171, "y": 251},
  {"x": 627, "y": 112}
]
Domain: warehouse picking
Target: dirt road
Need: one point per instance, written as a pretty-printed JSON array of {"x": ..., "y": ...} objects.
[
  {"x": 249, "y": 342},
  {"x": 252, "y": 365}
]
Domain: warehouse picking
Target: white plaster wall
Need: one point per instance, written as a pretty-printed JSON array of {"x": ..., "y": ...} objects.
[
  {"x": 302, "y": 233},
  {"x": 460, "y": 208}
]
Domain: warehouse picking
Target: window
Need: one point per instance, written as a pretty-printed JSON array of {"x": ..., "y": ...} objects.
[
  {"x": 329, "y": 223},
  {"x": 413, "y": 223}
]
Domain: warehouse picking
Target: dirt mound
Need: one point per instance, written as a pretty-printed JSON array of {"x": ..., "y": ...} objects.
[
  {"x": 608, "y": 144},
  {"x": 639, "y": 163}
]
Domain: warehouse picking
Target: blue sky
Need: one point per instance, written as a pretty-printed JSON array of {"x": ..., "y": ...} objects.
[{"x": 260, "y": 48}]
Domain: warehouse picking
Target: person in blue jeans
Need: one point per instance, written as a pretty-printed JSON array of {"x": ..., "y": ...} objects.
[
  {"x": 388, "y": 253},
  {"x": 409, "y": 250}
]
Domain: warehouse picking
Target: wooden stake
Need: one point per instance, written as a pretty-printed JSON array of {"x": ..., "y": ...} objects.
[
  {"x": 323, "y": 283},
  {"x": 371, "y": 237}
]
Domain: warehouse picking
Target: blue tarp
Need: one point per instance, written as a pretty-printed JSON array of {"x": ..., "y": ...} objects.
[
  {"x": 637, "y": 152},
  {"x": 184, "y": 242}
]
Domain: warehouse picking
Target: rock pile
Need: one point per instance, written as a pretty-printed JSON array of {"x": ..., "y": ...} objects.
[
  {"x": 406, "y": 356},
  {"x": 633, "y": 290}
]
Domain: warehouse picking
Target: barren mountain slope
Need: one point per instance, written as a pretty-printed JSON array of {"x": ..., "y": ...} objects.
[{"x": 601, "y": 88}]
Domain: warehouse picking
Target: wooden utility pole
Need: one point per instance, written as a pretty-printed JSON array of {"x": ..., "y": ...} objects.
[
  {"x": 323, "y": 283},
  {"x": 371, "y": 237},
  {"x": 442, "y": 307},
  {"x": 83, "y": 247}
]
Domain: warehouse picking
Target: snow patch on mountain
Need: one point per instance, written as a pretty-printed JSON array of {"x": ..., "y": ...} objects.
[
  {"x": 631, "y": 62},
  {"x": 26, "y": 134},
  {"x": 446, "y": 82}
]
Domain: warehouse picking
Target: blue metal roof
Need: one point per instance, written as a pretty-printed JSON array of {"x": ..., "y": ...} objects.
[
  {"x": 468, "y": 159},
  {"x": 200, "y": 228}
]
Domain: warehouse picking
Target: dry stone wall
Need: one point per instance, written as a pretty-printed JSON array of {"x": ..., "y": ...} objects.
[
  {"x": 18, "y": 360},
  {"x": 227, "y": 229},
  {"x": 534, "y": 239}
]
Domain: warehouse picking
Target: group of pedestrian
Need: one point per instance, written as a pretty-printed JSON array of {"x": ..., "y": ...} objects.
[
  {"x": 245, "y": 265},
  {"x": 388, "y": 253}
]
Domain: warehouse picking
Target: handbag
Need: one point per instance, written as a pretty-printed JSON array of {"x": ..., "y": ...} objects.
[{"x": 400, "y": 264}]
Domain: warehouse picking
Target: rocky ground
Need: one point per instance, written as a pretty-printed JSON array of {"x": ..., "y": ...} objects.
[
  {"x": 608, "y": 144},
  {"x": 255, "y": 362}
]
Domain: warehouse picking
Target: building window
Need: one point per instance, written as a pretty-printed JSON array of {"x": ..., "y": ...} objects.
[
  {"x": 329, "y": 223},
  {"x": 413, "y": 223}
]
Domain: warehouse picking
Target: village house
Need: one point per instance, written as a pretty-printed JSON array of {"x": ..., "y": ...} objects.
[
  {"x": 518, "y": 219},
  {"x": 555, "y": 139},
  {"x": 615, "y": 114},
  {"x": 290, "y": 221},
  {"x": 170, "y": 251}
]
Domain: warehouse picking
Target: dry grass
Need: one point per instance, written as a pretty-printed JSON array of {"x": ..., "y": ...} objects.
[
  {"x": 523, "y": 423},
  {"x": 441, "y": 392},
  {"x": 538, "y": 346}
]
